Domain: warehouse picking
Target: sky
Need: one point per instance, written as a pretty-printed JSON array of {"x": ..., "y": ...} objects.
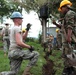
[
  {"x": 36, "y": 27},
  {"x": 32, "y": 18}
]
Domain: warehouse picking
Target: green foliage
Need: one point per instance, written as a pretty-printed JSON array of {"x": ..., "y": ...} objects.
[
  {"x": 31, "y": 39},
  {"x": 4, "y": 62},
  {"x": 40, "y": 38},
  {"x": 37, "y": 69},
  {"x": 1, "y": 42},
  {"x": 6, "y": 8}
]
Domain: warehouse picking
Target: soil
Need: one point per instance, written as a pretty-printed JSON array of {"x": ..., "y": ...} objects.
[{"x": 47, "y": 68}]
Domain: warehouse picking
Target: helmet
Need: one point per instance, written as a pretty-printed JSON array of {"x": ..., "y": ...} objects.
[
  {"x": 57, "y": 30},
  {"x": 63, "y": 3},
  {"x": 23, "y": 29},
  {"x": 16, "y": 15}
]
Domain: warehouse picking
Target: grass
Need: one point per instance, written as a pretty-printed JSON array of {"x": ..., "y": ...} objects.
[{"x": 36, "y": 70}]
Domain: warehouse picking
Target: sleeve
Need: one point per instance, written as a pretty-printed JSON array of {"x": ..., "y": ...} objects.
[
  {"x": 17, "y": 30},
  {"x": 70, "y": 19}
]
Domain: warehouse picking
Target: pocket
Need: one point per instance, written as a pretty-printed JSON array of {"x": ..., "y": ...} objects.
[
  {"x": 13, "y": 54},
  {"x": 10, "y": 54}
]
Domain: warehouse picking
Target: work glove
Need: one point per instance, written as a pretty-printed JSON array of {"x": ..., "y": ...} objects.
[
  {"x": 31, "y": 49},
  {"x": 28, "y": 26}
]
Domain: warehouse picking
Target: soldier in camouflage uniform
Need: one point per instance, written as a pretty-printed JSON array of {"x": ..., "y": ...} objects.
[
  {"x": 68, "y": 28},
  {"x": 5, "y": 38},
  {"x": 16, "y": 55},
  {"x": 59, "y": 38}
]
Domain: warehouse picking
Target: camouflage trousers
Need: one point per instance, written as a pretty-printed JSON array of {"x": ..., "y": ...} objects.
[
  {"x": 67, "y": 53},
  {"x": 59, "y": 43},
  {"x": 17, "y": 56},
  {"x": 6, "y": 44}
]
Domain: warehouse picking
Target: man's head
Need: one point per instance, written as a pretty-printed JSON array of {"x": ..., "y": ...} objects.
[
  {"x": 64, "y": 6},
  {"x": 17, "y": 18}
]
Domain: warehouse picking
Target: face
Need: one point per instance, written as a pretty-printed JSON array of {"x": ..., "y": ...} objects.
[
  {"x": 64, "y": 9},
  {"x": 19, "y": 21}
]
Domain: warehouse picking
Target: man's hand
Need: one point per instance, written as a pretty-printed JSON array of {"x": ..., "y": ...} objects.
[
  {"x": 31, "y": 48},
  {"x": 28, "y": 26},
  {"x": 54, "y": 22}
]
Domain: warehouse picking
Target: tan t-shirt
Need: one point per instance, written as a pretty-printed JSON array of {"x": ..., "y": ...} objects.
[
  {"x": 4, "y": 31},
  {"x": 13, "y": 31}
]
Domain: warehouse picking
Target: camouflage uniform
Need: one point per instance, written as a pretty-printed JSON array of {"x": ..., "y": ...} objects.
[
  {"x": 16, "y": 55},
  {"x": 6, "y": 41},
  {"x": 69, "y": 21},
  {"x": 59, "y": 40}
]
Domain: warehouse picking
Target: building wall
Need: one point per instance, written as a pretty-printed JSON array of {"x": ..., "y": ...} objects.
[{"x": 52, "y": 31}]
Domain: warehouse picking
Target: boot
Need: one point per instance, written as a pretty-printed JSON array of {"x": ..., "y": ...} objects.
[{"x": 27, "y": 71}]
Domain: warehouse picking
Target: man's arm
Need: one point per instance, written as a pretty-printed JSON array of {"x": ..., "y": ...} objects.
[
  {"x": 70, "y": 20},
  {"x": 26, "y": 32},
  {"x": 69, "y": 33},
  {"x": 21, "y": 43},
  {"x": 54, "y": 22}
]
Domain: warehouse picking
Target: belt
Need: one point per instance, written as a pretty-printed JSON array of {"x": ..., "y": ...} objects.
[{"x": 13, "y": 48}]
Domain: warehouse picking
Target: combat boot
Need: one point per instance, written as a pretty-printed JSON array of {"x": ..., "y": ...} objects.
[{"x": 27, "y": 71}]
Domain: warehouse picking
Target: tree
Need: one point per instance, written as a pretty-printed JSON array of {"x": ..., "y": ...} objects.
[
  {"x": 3, "y": 9},
  {"x": 36, "y": 4},
  {"x": 6, "y": 8}
]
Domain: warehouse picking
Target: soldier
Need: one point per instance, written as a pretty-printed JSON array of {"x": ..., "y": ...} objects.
[
  {"x": 5, "y": 37},
  {"x": 16, "y": 55},
  {"x": 59, "y": 38},
  {"x": 68, "y": 28}
]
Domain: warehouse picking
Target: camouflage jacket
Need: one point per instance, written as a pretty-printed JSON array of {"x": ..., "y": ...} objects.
[{"x": 69, "y": 21}]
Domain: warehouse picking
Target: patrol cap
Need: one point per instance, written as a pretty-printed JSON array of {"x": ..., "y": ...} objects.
[{"x": 16, "y": 15}]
